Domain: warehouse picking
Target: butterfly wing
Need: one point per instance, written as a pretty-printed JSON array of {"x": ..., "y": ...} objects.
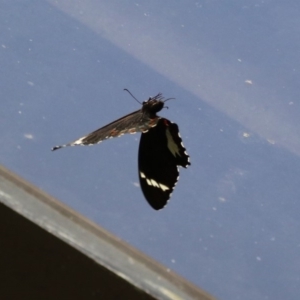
[
  {"x": 160, "y": 153},
  {"x": 131, "y": 123}
]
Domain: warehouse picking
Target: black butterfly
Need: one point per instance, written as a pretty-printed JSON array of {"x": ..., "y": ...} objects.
[{"x": 160, "y": 153}]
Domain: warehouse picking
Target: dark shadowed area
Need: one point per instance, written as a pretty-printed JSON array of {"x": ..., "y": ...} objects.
[{"x": 232, "y": 224}]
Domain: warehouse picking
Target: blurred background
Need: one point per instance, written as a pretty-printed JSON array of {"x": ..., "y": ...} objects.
[{"x": 232, "y": 224}]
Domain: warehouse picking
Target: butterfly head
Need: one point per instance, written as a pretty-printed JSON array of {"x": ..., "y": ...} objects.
[{"x": 154, "y": 104}]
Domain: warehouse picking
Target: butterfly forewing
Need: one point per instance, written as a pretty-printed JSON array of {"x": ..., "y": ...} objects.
[
  {"x": 137, "y": 121},
  {"x": 160, "y": 153},
  {"x": 132, "y": 123}
]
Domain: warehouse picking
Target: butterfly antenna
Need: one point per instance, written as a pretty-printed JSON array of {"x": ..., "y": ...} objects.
[
  {"x": 132, "y": 96},
  {"x": 167, "y": 107}
]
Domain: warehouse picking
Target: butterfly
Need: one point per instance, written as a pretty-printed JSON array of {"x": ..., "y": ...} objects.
[{"x": 161, "y": 151}]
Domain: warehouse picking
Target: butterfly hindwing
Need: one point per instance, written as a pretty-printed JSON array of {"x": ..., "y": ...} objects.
[{"x": 160, "y": 153}]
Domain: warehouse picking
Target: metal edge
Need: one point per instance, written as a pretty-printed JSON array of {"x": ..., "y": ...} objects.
[{"x": 95, "y": 242}]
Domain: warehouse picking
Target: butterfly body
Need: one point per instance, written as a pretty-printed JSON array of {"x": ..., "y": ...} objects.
[{"x": 160, "y": 151}]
